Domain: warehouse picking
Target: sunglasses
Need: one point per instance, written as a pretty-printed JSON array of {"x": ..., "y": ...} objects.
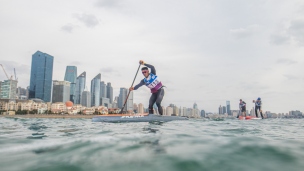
[{"x": 144, "y": 72}]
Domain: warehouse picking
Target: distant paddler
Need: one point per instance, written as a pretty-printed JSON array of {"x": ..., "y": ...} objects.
[
  {"x": 258, "y": 106},
  {"x": 242, "y": 106},
  {"x": 152, "y": 81}
]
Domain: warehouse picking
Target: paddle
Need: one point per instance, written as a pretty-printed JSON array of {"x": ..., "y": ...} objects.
[{"x": 129, "y": 90}]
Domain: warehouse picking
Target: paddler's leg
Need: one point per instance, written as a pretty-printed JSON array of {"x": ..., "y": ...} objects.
[
  {"x": 261, "y": 112},
  {"x": 151, "y": 102},
  {"x": 160, "y": 95},
  {"x": 256, "y": 111},
  {"x": 243, "y": 111}
]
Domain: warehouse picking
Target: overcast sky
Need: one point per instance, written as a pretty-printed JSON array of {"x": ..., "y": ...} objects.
[{"x": 204, "y": 51}]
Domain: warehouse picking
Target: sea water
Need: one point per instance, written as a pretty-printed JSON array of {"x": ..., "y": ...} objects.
[{"x": 195, "y": 144}]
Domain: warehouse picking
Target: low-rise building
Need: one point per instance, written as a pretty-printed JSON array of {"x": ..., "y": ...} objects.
[{"x": 58, "y": 107}]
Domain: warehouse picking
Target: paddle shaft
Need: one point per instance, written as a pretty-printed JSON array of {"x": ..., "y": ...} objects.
[{"x": 129, "y": 90}]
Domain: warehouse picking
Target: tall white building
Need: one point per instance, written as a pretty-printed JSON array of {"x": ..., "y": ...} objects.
[
  {"x": 185, "y": 111},
  {"x": 176, "y": 110},
  {"x": 140, "y": 108},
  {"x": 129, "y": 104},
  {"x": 169, "y": 111},
  {"x": 164, "y": 110}
]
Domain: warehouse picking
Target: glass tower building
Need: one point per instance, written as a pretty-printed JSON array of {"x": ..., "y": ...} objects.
[
  {"x": 86, "y": 99},
  {"x": 71, "y": 76},
  {"x": 110, "y": 92},
  {"x": 103, "y": 89},
  {"x": 122, "y": 97},
  {"x": 41, "y": 76},
  {"x": 80, "y": 86},
  {"x": 95, "y": 90},
  {"x": 228, "y": 107}
]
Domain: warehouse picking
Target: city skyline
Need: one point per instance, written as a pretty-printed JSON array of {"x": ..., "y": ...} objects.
[
  {"x": 202, "y": 50},
  {"x": 129, "y": 105}
]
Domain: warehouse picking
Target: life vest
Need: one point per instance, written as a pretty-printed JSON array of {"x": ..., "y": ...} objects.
[
  {"x": 153, "y": 83},
  {"x": 258, "y": 103},
  {"x": 243, "y": 104}
]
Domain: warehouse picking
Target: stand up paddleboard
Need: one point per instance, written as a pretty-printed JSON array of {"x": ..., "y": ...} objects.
[
  {"x": 248, "y": 118},
  {"x": 117, "y": 118}
]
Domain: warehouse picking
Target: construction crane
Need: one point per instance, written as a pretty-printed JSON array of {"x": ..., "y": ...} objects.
[{"x": 4, "y": 71}]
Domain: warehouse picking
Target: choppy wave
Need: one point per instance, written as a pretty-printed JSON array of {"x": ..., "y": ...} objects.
[{"x": 82, "y": 145}]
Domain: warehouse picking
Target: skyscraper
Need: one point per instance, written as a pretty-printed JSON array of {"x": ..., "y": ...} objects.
[
  {"x": 103, "y": 89},
  {"x": 86, "y": 99},
  {"x": 41, "y": 76},
  {"x": 130, "y": 102},
  {"x": 71, "y": 75},
  {"x": 110, "y": 92},
  {"x": 224, "y": 109},
  {"x": 8, "y": 89},
  {"x": 80, "y": 86},
  {"x": 61, "y": 91},
  {"x": 220, "y": 110},
  {"x": 228, "y": 107},
  {"x": 194, "y": 106},
  {"x": 122, "y": 97},
  {"x": 203, "y": 113},
  {"x": 95, "y": 90}
]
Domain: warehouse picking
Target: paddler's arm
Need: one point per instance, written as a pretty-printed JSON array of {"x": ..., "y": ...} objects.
[
  {"x": 153, "y": 71},
  {"x": 137, "y": 86}
]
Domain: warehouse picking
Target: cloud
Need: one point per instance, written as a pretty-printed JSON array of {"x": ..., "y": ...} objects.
[
  {"x": 203, "y": 75},
  {"x": 109, "y": 72},
  {"x": 296, "y": 30},
  {"x": 244, "y": 32},
  {"x": 67, "y": 28},
  {"x": 10, "y": 65},
  {"x": 291, "y": 77},
  {"x": 76, "y": 63},
  {"x": 88, "y": 19},
  {"x": 286, "y": 61},
  {"x": 279, "y": 39},
  {"x": 108, "y": 3}
]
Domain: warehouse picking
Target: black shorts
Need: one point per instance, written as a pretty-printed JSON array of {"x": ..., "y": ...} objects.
[{"x": 243, "y": 109}]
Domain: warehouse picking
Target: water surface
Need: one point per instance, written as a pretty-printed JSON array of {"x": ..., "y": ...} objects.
[{"x": 196, "y": 144}]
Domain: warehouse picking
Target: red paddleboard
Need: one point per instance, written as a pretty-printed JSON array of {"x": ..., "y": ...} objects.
[{"x": 248, "y": 118}]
